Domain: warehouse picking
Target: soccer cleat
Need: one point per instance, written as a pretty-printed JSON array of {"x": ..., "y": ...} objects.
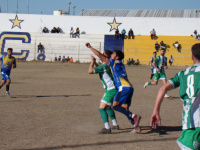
[
  {"x": 7, "y": 94},
  {"x": 166, "y": 96},
  {"x": 105, "y": 131},
  {"x": 136, "y": 120},
  {"x": 145, "y": 85},
  {"x": 115, "y": 127}
]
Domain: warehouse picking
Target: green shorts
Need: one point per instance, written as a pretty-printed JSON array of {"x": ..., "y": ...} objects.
[
  {"x": 158, "y": 76},
  {"x": 109, "y": 96},
  {"x": 190, "y": 139}
]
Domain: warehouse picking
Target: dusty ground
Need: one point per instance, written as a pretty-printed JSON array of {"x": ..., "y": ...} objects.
[{"x": 54, "y": 106}]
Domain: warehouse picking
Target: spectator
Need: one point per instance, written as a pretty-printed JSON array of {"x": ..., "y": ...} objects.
[
  {"x": 77, "y": 34},
  {"x": 162, "y": 45},
  {"x": 177, "y": 45},
  {"x": 54, "y": 30},
  {"x": 131, "y": 33},
  {"x": 157, "y": 46},
  {"x": 55, "y": 59},
  {"x": 123, "y": 33},
  {"x": 129, "y": 62},
  {"x": 117, "y": 34},
  {"x": 41, "y": 48},
  {"x": 137, "y": 62},
  {"x": 63, "y": 59},
  {"x": 45, "y": 30},
  {"x": 59, "y": 30},
  {"x": 71, "y": 60},
  {"x": 59, "y": 58},
  {"x": 153, "y": 34},
  {"x": 195, "y": 34},
  {"x": 67, "y": 59},
  {"x": 198, "y": 37},
  {"x": 171, "y": 60},
  {"x": 132, "y": 61},
  {"x": 72, "y": 32}
]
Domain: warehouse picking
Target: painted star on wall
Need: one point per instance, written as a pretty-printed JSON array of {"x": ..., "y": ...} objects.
[
  {"x": 16, "y": 22},
  {"x": 114, "y": 25}
]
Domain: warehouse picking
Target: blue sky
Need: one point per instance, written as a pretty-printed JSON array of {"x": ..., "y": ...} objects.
[{"x": 48, "y": 6}]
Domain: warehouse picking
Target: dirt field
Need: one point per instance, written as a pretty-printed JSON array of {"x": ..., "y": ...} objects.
[{"x": 54, "y": 106}]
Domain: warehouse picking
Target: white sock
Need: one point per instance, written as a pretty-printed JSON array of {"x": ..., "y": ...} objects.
[
  {"x": 107, "y": 126},
  {"x": 114, "y": 121},
  {"x": 132, "y": 115}
]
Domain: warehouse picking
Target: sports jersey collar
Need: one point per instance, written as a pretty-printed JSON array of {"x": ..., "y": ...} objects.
[{"x": 196, "y": 65}]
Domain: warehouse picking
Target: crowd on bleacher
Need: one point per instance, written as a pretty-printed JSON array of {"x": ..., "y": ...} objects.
[{"x": 64, "y": 59}]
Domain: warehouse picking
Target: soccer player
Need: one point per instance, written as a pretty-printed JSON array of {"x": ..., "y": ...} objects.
[
  {"x": 106, "y": 77},
  {"x": 188, "y": 82},
  {"x": 152, "y": 67},
  {"x": 122, "y": 100},
  {"x": 7, "y": 63},
  {"x": 159, "y": 64}
]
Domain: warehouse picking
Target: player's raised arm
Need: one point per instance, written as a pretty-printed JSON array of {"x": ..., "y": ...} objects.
[
  {"x": 155, "y": 118},
  {"x": 99, "y": 54},
  {"x": 91, "y": 67}
]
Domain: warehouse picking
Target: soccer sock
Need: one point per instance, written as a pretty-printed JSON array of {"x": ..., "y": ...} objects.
[
  {"x": 104, "y": 117},
  {"x": 149, "y": 83},
  {"x": 124, "y": 111},
  {"x": 111, "y": 114},
  {"x": 7, "y": 88}
]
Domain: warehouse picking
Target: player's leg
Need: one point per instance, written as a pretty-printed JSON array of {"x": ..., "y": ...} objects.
[
  {"x": 8, "y": 81},
  {"x": 3, "y": 81},
  {"x": 164, "y": 80},
  {"x": 155, "y": 82}
]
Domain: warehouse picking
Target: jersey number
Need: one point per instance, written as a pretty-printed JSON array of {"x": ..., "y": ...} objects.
[{"x": 190, "y": 87}]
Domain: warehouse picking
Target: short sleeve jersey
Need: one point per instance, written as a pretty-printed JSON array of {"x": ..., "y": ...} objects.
[
  {"x": 6, "y": 63},
  {"x": 160, "y": 62},
  {"x": 119, "y": 73},
  {"x": 188, "y": 82},
  {"x": 105, "y": 75}
]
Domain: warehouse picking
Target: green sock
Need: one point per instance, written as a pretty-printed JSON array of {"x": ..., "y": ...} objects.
[
  {"x": 111, "y": 113},
  {"x": 104, "y": 115},
  {"x": 149, "y": 83}
]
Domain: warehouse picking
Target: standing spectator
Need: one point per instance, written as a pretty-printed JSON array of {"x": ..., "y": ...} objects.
[
  {"x": 117, "y": 34},
  {"x": 123, "y": 33},
  {"x": 157, "y": 46},
  {"x": 72, "y": 32},
  {"x": 195, "y": 34},
  {"x": 171, "y": 60},
  {"x": 77, "y": 33},
  {"x": 45, "y": 30},
  {"x": 131, "y": 33},
  {"x": 41, "y": 48},
  {"x": 153, "y": 34}
]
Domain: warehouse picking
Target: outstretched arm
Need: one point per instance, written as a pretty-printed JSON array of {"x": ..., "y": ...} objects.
[
  {"x": 155, "y": 118},
  {"x": 91, "y": 67},
  {"x": 99, "y": 54}
]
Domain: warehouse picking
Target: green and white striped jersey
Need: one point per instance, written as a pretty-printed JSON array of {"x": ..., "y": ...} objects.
[
  {"x": 160, "y": 62},
  {"x": 188, "y": 82},
  {"x": 106, "y": 76}
]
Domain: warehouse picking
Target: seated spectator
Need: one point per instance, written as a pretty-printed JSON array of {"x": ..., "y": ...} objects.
[
  {"x": 117, "y": 34},
  {"x": 198, "y": 37},
  {"x": 58, "y": 30},
  {"x": 67, "y": 59},
  {"x": 153, "y": 34},
  {"x": 77, "y": 33},
  {"x": 45, "y": 30},
  {"x": 132, "y": 61},
  {"x": 72, "y": 32},
  {"x": 195, "y": 34},
  {"x": 59, "y": 58},
  {"x": 123, "y": 33},
  {"x": 55, "y": 59},
  {"x": 54, "y": 30},
  {"x": 41, "y": 48},
  {"x": 129, "y": 62},
  {"x": 162, "y": 45},
  {"x": 137, "y": 62},
  {"x": 71, "y": 60},
  {"x": 157, "y": 46},
  {"x": 63, "y": 59},
  {"x": 171, "y": 60},
  {"x": 130, "y": 33},
  {"x": 177, "y": 45}
]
